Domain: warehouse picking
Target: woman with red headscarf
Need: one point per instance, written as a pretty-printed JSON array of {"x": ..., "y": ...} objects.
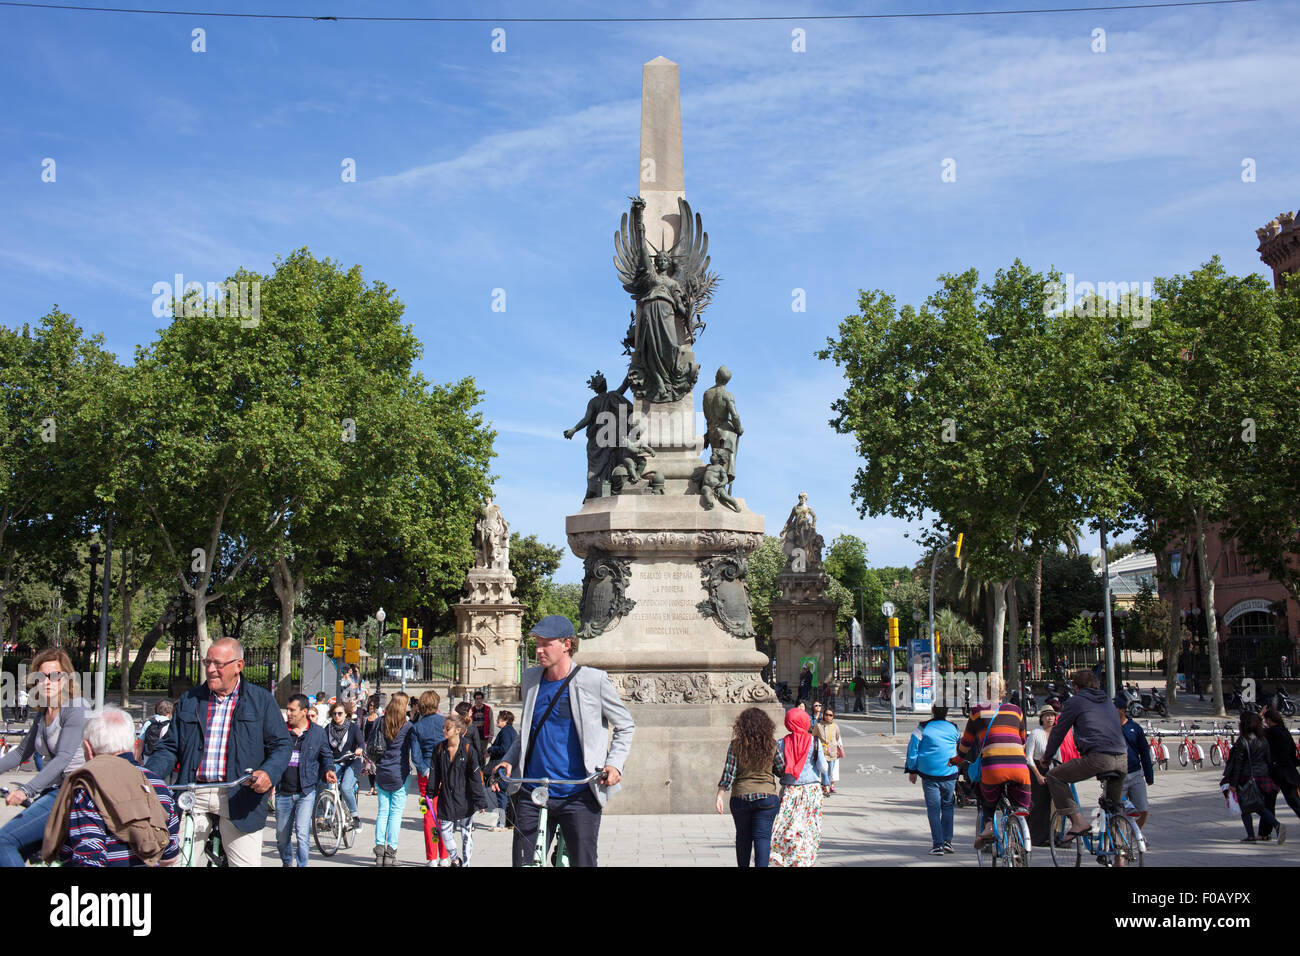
[{"x": 797, "y": 833}]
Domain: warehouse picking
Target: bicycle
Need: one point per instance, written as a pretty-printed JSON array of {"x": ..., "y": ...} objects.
[
  {"x": 331, "y": 821},
  {"x": 1115, "y": 839},
  {"x": 541, "y": 796},
  {"x": 1010, "y": 846},
  {"x": 213, "y": 849},
  {"x": 1159, "y": 752},
  {"x": 1220, "y": 749},
  {"x": 1189, "y": 749}
]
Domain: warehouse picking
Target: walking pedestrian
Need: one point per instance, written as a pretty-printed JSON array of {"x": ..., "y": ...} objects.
[
  {"x": 750, "y": 772},
  {"x": 1246, "y": 775},
  {"x": 998, "y": 728},
  {"x": 153, "y": 730},
  {"x": 1140, "y": 773},
  {"x": 219, "y": 728},
  {"x": 859, "y": 694},
  {"x": 1040, "y": 799},
  {"x": 428, "y": 733},
  {"x": 55, "y": 733},
  {"x": 805, "y": 683},
  {"x": 480, "y": 718},
  {"x": 505, "y": 739},
  {"x": 929, "y": 756},
  {"x": 577, "y": 705},
  {"x": 392, "y": 767},
  {"x": 828, "y": 735},
  {"x": 368, "y": 725},
  {"x": 295, "y": 792},
  {"x": 473, "y": 736},
  {"x": 1282, "y": 759},
  {"x": 797, "y": 832},
  {"x": 456, "y": 781}
]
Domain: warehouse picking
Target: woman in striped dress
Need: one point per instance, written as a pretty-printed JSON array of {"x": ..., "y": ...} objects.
[{"x": 1003, "y": 768}]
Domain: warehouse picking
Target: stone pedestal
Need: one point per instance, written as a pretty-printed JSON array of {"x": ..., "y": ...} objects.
[
  {"x": 488, "y": 630},
  {"x": 803, "y": 625},
  {"x": 666, "y": 613}
]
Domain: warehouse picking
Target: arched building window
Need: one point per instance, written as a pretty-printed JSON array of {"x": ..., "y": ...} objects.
[{"x": 1254, "y": 624}]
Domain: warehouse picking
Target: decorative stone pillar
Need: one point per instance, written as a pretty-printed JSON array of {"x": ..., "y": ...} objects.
[
  {"x": 489, "y": 622},
  {"x": 803, "y": 618}
]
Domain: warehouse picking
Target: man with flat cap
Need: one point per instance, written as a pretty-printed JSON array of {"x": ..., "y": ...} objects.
[{"x": 563, "y": 734}]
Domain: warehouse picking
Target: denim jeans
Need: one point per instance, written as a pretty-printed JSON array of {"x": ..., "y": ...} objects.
[
  {"x": 578, "y": 818},
  {"x": 754, "y": 819},
  {"x": 348, "y": 784},
  {"x": 503, "y": 802},
  {"x": 939, "y": 807},
  {"x": 22, "y": 836},
  {"x": 293, "y": 815},
  {"x": 388, "y": 819}
]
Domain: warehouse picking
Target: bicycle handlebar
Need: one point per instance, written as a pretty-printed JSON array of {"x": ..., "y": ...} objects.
[
  {"x": 247, "y": 775},
  {"x": 550, "y": 780}
]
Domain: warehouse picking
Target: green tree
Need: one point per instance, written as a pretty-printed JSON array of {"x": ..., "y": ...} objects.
[
  {"x": 765, "y": 563},
  {"x": 1206, "y": 376},
  {"x": 986, "y": 410},
  {"x": 533, "y": 562}
]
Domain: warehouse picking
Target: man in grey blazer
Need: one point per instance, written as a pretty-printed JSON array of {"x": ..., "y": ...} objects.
[{"x": 571, "y": 744}]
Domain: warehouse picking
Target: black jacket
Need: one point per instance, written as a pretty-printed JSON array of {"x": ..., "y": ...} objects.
[
  {"x": 1282, "y": 756},
  {"x": 1248, "y": 758},
  {"x": 457, "y": 782},
  {"x": 351, "y": 741}
]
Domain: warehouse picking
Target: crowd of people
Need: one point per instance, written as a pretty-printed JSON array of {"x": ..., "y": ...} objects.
[{"x": 83, "y": 805}]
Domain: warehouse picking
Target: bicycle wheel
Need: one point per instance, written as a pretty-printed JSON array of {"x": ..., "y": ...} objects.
[
  {"x": 1124, "y": 842},
  {"x": 349, "y": 831},
  {"x": 1214, "y": 754},
  {"x": 1182, "y": 754},
  {"x": 983, "y": 855},
  {"x": 1072, "y": 853},
  {"x": 1017, "y": 843},
  {"x": 327, "y": 823}
]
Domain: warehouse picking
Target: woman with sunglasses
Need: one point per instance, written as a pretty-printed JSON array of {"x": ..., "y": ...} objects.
[
  {"x": 344, "y": 739},
  {"x": 55, "y": 734},
  {"x": 827, "y": 733}
]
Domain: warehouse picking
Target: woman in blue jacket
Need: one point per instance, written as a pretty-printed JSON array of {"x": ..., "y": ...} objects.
[
  {"x": 391, "y": 770},
  {"x": 933, "y": 744},
  {"x": 505, "y": 739}
]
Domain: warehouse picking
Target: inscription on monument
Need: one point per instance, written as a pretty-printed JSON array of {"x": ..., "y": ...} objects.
[{"x": 669, "y": 609}]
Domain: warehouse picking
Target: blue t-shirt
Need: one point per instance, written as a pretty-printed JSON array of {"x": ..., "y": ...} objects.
[{"x": 558, "y": 752}]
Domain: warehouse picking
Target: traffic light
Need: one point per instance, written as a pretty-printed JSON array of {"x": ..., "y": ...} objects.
[
  {"x": 959, "y": 537},
  {"x": 936, "y": 640},
  {"x": 414, "y": 639},
  {"x": 893, "y": 632},
  {"x": 338, "y": 639},
  {"x": 320, "y": 643},
  {"x": 352, "y": 650},
  {"x": 405, "y": 631}
]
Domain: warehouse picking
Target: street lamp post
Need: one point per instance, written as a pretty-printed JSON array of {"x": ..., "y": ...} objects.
[{"x": 380, "y": 617}]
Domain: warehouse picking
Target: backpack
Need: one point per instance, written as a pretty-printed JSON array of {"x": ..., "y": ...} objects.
[
  {"x": 156, "y": 731},
  {"x": 378, "y": 743}
]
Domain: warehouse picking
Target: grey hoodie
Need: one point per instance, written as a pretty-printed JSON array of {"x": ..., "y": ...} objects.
[{"x": 1096, "y": 725}]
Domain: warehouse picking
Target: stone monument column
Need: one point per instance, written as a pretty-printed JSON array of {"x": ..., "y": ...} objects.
[
  {"x": 665, "y": 546},
  {"x": 488, "y": 620},
  {"x": 803, "y": 618}
]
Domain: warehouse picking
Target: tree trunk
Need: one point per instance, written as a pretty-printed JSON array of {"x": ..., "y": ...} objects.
[
  {"x": 1036, "y": 638},
  {"x": 286, "y": 590},
  {"x": 1211, "y": 623},
  {"x": 1174, "y": 639},
  {"x": 1013, "y": 665},
  {"x": 124, "y": 598},
  {"x": 150, "y": 640},
  {"x": 999, "y": 589}
]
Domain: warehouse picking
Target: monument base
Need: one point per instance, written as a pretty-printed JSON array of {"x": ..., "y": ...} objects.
[{"x": 677, "y": 756}]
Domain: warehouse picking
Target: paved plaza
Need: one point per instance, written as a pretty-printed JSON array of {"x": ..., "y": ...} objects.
[{"x": 876, "y": 819}]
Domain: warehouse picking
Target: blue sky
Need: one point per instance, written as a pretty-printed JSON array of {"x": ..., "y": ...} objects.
[{"x": 816, "y": 170}]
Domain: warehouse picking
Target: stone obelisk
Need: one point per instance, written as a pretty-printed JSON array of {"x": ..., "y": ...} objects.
[{"x": 665, "y": 605}]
